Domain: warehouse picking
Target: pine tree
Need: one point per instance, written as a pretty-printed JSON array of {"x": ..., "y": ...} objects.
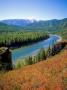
[
  {"x": 49, "y": 51},
  {"x": 29, "y": 60},
  {"x": 42, "y": 54}
]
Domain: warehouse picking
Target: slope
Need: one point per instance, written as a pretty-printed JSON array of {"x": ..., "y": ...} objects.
[
  {"x": 45, "y": 75},
  {"x": 5, "y": 27}
]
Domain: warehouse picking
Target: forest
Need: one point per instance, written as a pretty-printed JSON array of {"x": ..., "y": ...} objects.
[{"x": 17, "y": 39}]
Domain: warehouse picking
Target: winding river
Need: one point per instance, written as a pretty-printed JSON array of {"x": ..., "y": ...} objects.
[{"x": 33, "y": 49}]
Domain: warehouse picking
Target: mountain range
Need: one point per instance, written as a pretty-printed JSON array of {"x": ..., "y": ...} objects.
[
  {"x": 25, "y": 24},
  {"x": 17, "y": 22}
]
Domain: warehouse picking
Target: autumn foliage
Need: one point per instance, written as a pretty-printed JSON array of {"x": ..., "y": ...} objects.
[{"x": 50, "y": 74}]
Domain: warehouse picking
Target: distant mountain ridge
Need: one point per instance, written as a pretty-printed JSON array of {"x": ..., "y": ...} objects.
[
  {"x": 25, "y": 24},
  {"x": 18, "y": 22},
  {"x": 35, "y": 23}
]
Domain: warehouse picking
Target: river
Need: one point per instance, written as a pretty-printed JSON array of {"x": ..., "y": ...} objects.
[{"x": 33, "y": 49}]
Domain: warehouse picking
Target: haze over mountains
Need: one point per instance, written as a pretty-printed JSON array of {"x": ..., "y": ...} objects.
[
  {"x": 18, "y": 22},
  {"x": 27, "y": 22},
  {"x": 15, "y": 24}
]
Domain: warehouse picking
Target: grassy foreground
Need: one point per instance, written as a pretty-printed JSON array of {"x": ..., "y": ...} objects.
[{"x": 45, "y": 75}]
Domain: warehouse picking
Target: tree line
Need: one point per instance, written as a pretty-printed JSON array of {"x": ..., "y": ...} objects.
[{"x": 17, "y": 39}]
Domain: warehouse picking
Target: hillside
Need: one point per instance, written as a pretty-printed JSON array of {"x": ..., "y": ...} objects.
[
  {"x": 8, "y": 28},
  {"x": 45, "y": 75}
]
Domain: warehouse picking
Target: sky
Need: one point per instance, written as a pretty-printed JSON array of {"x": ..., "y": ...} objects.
[{"x": 33, "y": 9}]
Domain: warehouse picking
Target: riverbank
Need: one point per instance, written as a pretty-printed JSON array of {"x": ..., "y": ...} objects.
[
  {"x": 17, "y": 39},
  {"x": 60, "y": 39},
  {"x": 30, "y": 44},
  {"x": 16, "y": 48},
  {"x": 42, "y": 54},
  {"x": 29, "y": 51}
]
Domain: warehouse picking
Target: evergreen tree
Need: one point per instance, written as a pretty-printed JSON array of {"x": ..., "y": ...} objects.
[
  {"x": 42, "y": 54},
  {"x": 29, "y": 60},
  {"x": 38, "y": 57},
  {"x": 49, "y": 51}
]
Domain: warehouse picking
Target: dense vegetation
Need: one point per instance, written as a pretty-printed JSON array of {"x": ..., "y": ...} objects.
[
  {"x": 17, "y": 39},
  {"x": 45, "y": 75}
]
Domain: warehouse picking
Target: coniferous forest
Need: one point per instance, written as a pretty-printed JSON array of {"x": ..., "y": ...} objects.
[{"x": 18, "y": 39}]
